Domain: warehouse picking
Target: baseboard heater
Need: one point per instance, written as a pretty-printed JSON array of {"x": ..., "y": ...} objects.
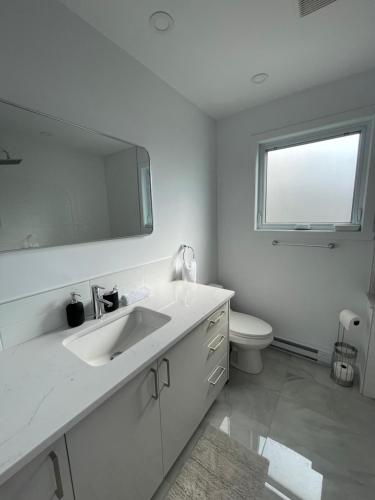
[{"x": 295, "y": 348}]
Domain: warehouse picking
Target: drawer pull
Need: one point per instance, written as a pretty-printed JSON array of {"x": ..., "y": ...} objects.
[
  {"x": 214, "y": 382},
  {"x": 156, "y": 383},
  {"x": 59, "y": 491},
  {"x": 214, "y": 348},
  {"x": 168, "y": 383},
  {"x": 215, "y": 321}
]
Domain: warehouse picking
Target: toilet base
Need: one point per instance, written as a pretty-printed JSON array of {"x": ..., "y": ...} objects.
[{"x": 248, "y": 361}]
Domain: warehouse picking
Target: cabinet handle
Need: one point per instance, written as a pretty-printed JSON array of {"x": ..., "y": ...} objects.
[
  {"x": 168, "y": 383},
  {"x": 215, "y": 321},
  {"x": 59, "y": 491},
  {"x": 214, "y": 348},
  {"x": 156, "y": 383},
  {"x": 214, "y": 382}
]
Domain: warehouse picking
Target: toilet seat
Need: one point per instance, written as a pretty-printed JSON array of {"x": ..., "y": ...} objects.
[{"x": 244, "y": 326}]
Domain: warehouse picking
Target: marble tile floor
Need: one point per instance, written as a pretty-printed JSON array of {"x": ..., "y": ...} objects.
[{"x": 319, "y": 437}]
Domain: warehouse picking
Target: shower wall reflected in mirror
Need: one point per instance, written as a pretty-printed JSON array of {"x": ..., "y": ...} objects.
[{"x": 65, "y": 184}]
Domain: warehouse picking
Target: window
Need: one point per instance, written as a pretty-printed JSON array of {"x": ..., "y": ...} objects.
[{"x": 314, "y": 181}]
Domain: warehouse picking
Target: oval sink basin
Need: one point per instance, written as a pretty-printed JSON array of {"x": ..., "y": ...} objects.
[{"x": 103, "y": 344}]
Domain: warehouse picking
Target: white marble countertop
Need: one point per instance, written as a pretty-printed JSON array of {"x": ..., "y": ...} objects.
[{"x": 45, "y": 389}]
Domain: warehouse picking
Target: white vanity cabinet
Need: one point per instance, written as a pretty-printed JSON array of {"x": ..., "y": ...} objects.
[
  {"x": 115, "y": 453},
  {"x": 191, "y": 376},
  {"x": 124, "y": 448},
  {"x": 47, "y": 477}
]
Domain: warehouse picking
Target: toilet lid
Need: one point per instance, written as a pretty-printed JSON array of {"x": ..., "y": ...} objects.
[{"x": 245, "y": 325}]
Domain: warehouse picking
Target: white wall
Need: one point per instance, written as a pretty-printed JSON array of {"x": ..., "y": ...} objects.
[
  {"x": 298, "y": 290},
  {"x": 52, "y": 61}
]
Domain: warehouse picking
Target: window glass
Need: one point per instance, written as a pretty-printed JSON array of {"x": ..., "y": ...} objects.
[{"x": 311, "y": 183}]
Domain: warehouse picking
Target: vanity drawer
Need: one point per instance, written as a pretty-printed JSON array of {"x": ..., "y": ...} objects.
[
  {"x": 216, "y": 347},
  {"x": 215, "y": 323},
  {"x": 215, "y": 381}
]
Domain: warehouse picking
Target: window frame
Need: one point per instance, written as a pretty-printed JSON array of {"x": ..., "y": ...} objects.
[{"x": 326, "y": 133}]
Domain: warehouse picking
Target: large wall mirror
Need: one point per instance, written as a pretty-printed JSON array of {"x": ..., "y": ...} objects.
[{"x": 63, "y": 184}]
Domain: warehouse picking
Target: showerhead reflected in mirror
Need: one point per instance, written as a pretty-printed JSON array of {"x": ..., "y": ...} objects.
[
  {"x": 8, "y": 160},
  {"x": 63, "y": 184}
]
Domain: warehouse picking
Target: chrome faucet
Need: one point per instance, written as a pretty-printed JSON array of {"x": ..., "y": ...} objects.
[{"x": 98, "y": 302}]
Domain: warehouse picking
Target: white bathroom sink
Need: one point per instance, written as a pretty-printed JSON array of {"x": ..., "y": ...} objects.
[{"x": 103, "y": 344}]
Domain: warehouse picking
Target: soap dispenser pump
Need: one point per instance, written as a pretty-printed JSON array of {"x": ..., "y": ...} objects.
[{"x": 75, "y": 312}]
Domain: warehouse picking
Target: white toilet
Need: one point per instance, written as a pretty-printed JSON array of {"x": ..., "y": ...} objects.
[{"x": 248, "y": 336}]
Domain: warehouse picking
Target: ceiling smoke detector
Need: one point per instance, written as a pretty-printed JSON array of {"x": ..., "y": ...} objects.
[
  {"x": 259, "y": 78},
  {"x": 161, "y": 21},
  {"x": 309, "y": 6}
]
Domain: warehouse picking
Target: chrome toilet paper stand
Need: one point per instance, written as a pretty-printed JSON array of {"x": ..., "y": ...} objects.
[{"x": 343, "y": 360}]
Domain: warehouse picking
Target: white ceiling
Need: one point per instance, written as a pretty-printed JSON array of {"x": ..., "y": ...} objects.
[{"x": 216, "y": 46}]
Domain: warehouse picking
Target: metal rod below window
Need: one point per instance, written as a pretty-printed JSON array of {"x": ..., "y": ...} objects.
[{"x": 330, "y": 246}]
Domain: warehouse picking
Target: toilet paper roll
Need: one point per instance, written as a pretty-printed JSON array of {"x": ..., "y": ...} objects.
[
  {"x": 349, "y": 319},
  {"x": 343, "y": 372}
]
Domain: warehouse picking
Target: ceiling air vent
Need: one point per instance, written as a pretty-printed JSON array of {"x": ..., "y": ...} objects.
[{"x": 309, "y": 6}]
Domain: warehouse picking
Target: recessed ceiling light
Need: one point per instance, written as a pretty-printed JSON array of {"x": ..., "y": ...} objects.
[
  {"x": 259, "y": 78},
  {"x": 161, "y": 21}
]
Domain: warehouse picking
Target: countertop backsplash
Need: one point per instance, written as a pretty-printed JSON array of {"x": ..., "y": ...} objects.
[{"x": 29, "y": 317}]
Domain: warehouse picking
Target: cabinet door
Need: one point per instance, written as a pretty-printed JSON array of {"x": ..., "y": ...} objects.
[
  {"x": 115, "y": 453},
  {"x": 186, "y": 393},
  {"x": 47, "y": 477}
]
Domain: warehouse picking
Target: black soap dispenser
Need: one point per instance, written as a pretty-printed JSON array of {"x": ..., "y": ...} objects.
[{"x": 75, "y": 312}]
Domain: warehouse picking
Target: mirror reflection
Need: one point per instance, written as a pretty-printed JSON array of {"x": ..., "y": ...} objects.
[{"x": 63, "y": 184}]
